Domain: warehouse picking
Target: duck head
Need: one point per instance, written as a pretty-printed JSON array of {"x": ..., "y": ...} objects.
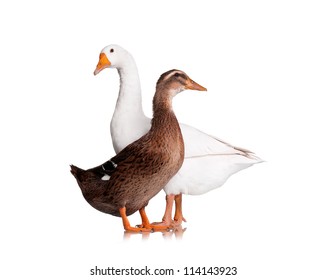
[
  {"x": 169, "y": 85},
  {"x": 177, "y": 81},
  {"x": 112, "y": 56}
]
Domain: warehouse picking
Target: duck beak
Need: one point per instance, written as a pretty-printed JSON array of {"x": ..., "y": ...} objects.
[
  {"x": 190, "y": 84},
  {"x": 102, "y": 64}
]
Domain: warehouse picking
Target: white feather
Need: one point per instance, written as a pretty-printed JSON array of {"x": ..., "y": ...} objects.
[{"x": 105, "y": 178}]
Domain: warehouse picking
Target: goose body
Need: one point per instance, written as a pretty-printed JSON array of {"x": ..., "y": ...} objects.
[
  {"x": 209, "y": 161},
  {"x": 126, "y": 183}
]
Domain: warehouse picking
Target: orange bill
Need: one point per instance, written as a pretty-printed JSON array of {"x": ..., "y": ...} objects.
[
  {"x": 102, "y": 64},
  {"x": 190, "y": 84}
]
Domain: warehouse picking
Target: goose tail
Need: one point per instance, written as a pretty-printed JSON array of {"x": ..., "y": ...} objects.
[{"x": 254, "y": 157}]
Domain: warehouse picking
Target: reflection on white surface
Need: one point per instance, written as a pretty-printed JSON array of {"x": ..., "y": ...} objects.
[{"x": 177, "y": 232}]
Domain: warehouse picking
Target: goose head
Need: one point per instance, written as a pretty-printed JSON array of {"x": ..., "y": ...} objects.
[
  {"x": 177, "y": 81},
  {"x": 112, "y": 56}
]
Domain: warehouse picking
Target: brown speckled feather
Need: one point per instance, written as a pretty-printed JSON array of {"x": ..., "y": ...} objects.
[{"x": 141, "y": 169}]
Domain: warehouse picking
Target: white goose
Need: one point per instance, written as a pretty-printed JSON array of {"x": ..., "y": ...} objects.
[{"x": 208, "y": 162}]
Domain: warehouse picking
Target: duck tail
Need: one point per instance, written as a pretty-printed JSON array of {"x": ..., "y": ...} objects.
[{"x": 77, "y": 172}]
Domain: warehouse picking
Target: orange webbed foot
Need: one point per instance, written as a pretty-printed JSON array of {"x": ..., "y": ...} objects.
[
  {"x": 162, "y": 226},
  {"x": 127, "y": 225},
  {"x": 178, "y": 220},
  {"x": 137, "y": 229},
  {"x": 167, "y": 222}
]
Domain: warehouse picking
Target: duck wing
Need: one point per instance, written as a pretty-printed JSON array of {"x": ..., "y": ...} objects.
[
  {"x": 105, "y": 170},
  {"x": 135, "y": 149}
]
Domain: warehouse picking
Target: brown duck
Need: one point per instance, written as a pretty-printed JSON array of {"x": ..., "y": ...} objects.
[{"x": 126, "y": 183}]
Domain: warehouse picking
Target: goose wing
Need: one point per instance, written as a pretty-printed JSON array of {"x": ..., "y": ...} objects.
[{"x": 200, "y": 144}]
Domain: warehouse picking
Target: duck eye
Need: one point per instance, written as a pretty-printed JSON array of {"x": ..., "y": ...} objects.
[
  {"x": 177, "y": 75},
  {"x": 112, "y": 50}
]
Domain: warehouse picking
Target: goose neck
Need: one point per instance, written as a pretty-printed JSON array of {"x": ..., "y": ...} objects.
[{"x": 130, "y": 98}]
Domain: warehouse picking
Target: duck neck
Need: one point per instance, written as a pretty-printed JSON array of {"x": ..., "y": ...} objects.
[
  {"x": 162, "y": 102},
  {"x": 129, "y": 101},
  {"x": 162, "y": 108}
]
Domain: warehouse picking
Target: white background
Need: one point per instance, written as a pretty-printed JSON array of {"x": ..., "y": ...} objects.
[{"x": 264, "y": 65}]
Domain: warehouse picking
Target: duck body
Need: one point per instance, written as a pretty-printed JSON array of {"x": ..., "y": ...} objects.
[
  {"x": 126, "y": 183},
  {"x": 137, "y": 173}
]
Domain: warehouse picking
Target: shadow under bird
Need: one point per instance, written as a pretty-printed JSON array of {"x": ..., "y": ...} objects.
[{"x": 126, "y": 183}]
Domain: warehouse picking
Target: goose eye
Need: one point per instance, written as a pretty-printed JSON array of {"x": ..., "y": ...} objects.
[{"x": 112, "y": 50}]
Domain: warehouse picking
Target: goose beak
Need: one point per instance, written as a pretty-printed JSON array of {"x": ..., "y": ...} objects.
[
  {"x": 102, "y": 64},
  {"x": 190, "y": 84}
]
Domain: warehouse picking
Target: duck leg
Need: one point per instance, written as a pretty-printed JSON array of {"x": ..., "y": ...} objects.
[
  {"x": 178, "y": 218},
  {"x": 146, "y": 224},
  {"x": 166, "y": 220},
  {"x": 126, "y": 223},
  {"x": 145, "y": 220}
]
